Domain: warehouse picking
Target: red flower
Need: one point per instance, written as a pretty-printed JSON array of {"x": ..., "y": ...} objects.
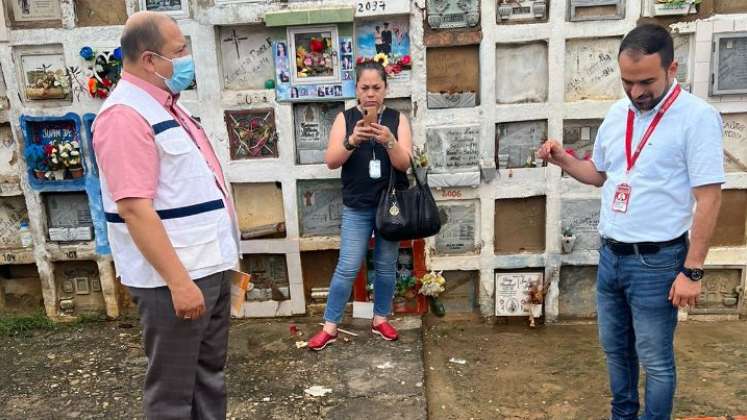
[
  {"x": 106, "y": 83},
  {"x": 406, "y": 60},
  {"x": 102, "y": 93},
  {"x": 316, "y": 45},
  {"x": 48, "y": 149},
  {"x": 397, "y": 68},
  {"x": 359, "y": 60}
]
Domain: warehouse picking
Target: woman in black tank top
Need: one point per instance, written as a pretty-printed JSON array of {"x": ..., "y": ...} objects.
[{"x": 366, "y": 153}]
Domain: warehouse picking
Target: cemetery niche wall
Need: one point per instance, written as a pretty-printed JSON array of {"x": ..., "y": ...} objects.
[
  {"x": 453, "y": 77},
  {"x": 386, "y": 40},
  {"x": 43, "y": 74},
  {"x": 246, "y": 57},
  {"x": 735, "y": 142},
  {"x": 252, "y": 134},
  {"x": 78, "y": 287},
  {"x": 517, "y": 142},
  {"x": 454, "y": 155},
  {"x": 315, "y": 64},
  {"x": 312, "y": 122},
  {"x": 54, "y": 151},
  {"x": 522, "y": 11},
  {"x": 729, "y": 56},
  {"x": 521, "y": 73},
  {"x": 451, "y": 14}
]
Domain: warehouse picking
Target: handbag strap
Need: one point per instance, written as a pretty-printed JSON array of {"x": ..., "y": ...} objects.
[{"x": 414, "y": 173}]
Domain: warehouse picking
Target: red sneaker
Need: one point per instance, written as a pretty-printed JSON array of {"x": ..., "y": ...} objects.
[
  {"x": 386, "y": 331},
  {"x": 321, "y": 340}
]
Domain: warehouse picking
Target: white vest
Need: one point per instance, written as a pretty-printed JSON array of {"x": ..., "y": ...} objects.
[{"x": 188, "y": 200}]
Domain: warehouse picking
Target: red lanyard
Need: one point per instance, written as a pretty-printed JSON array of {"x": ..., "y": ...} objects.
[{"x": 650, "y": 130}]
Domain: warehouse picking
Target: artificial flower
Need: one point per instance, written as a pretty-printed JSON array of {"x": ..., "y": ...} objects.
[
  {"x": 87, "y": 53},
  {"x": 406, "y": 60},
  {"x": 382, "y": 59},
  {"x": 316, "y": 45},
  {"x": 117, "y": 54}
]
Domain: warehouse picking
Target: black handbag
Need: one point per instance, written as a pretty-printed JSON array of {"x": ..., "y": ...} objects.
[{"x": 407, "y": 214}]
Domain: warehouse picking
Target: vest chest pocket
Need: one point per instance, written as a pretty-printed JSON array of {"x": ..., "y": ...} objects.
[
  {"x": 181, "y": 159},
  {"x": 197, "y": 247}
]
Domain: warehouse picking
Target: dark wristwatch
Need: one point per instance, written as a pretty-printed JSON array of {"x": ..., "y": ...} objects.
[
  {"x": 348, "y": 146},
  {"x": 694, "y": 274}
]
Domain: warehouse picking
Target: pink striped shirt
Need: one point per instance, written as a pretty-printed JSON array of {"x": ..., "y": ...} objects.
[{"x": 126, "y": 150}]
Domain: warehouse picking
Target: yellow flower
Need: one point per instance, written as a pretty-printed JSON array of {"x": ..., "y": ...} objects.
[{"x": 382, "y": 59}]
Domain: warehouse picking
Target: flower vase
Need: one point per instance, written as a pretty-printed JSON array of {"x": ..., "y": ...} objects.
[
  {"x": 39, "y": 174},
  {"x": 76, "y": 172},
  {"x": 58, "y": 175},
  {"x": 567, "y": 242},
  {"x": 437, "y": 307}
]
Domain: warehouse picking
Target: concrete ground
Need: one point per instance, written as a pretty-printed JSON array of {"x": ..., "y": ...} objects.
[{"x": 445, "y": 370}]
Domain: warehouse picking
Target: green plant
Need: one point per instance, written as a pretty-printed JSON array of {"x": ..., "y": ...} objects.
[{"x": 12, "y": 325}]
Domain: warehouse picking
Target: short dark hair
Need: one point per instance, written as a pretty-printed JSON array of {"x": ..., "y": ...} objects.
[
  {"x": 650, "y": 39},
  {"x": 370, "y": 65},
  {"x": 145, "y": 36}
]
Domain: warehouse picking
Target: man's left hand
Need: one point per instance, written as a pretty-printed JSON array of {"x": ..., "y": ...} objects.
[{"x": 684, "y": 292}]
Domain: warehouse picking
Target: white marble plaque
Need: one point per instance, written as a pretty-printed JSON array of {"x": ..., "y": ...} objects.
[
  {"x": 512, "y": 293},
  {"x": 453, "y": 149},
  {"x": 735, "y": 142},
  {"x": 591, "y": 70},
  {"x": 457, "y": 235},
  {"x": 517, "y": 143},
  {"x": 581, "y": 217},
  {"x": 246, "y": 53},
  {"x": 36, "y": 10},
  {"x": 313, "y": 122},
  {"x": 521, "y": 73}
]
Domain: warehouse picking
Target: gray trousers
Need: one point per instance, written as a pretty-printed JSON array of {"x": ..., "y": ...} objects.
[{"x": 186, "y": 358}]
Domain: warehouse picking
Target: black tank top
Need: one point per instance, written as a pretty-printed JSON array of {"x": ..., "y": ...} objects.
[{"x": 359, "y": 190}]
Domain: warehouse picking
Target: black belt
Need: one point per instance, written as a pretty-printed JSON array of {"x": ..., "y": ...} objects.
[
  {"x": 176, "y": 212},
  {"x": 626, "y": 248}
]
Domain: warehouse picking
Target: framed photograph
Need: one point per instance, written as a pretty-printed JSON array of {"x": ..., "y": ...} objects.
[
  {"x": 175, "y": 8},
  {"x": 316, "y": 51}
]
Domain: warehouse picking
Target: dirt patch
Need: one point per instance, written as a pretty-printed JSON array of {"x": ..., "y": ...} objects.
[{"x": 558, "y": 371}]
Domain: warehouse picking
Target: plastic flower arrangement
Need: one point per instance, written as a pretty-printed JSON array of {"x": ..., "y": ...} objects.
[
  {"x": 317, "y": 60},
  {"x": 432, "y": 284},
  {"x": 105, "y": 69},
  {"x": 393, "y": 65}
]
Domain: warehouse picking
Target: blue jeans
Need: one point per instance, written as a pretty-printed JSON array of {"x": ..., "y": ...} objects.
[
  {"x": 636, "y": 323},
  {"x": 357, "y": 225}
]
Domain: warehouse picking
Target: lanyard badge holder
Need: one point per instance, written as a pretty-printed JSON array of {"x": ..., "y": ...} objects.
[
  {"x": 621, "y": 200},
  {"x": 374, "y": 165}
]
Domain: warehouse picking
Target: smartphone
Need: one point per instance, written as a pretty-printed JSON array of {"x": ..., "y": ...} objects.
[{"x": 369, "y": 115}]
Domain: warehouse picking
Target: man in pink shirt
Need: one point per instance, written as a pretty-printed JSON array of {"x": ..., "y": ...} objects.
[{"x": 170, "y": 221}]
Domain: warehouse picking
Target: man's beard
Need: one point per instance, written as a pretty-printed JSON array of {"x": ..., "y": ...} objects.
[{"x": 652, "y": 104}]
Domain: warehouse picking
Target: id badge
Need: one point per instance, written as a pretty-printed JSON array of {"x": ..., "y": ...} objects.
[
  {"x": 374, "y": 169},
  {"x": 622, "y": 198}
]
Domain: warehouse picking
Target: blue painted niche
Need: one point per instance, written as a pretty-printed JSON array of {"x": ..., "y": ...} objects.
[
  {"x": 40, "y": 130},
  {"x": 93, "y": 187}
]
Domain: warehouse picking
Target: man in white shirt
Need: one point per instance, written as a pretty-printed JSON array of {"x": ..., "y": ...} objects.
[{"x": 657, "y": 154}]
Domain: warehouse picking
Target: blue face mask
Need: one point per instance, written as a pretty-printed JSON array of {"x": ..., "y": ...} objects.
[{"x": 183, "y": 73}]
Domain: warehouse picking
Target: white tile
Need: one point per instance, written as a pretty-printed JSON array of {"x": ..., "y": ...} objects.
[
  {"x": 703, "y": 52},
  {"x": 702, "y": 72},
  {"x": 704, "y": 31},
  {"x": 740, "y": 24},
  {"x": 723, "y": 25}
]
